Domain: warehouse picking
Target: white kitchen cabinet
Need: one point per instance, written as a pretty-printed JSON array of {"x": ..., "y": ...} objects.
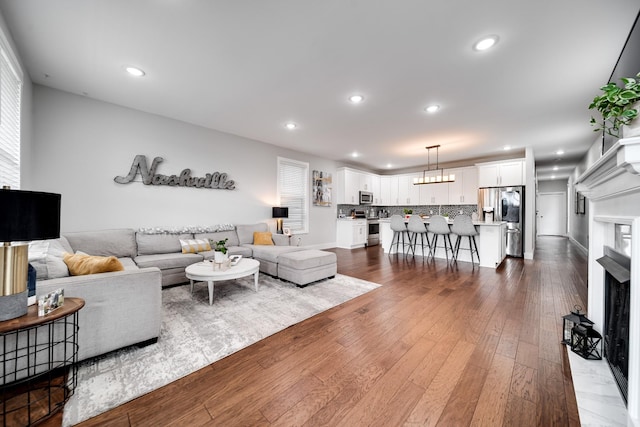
[
  {"x": 464, "y": 190},
  {"x": 375, "y": 189},
  {"x": 349, "y": 183},
  {"x": 434, "y": 194},
  {"x": 351, "y": 233},
  {"x": 501, "y": 174},
  {"x": 389, "y": 190},
  {"x": 408, "y": 194}
]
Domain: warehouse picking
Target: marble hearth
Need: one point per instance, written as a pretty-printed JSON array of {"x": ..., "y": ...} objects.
[{"x": 612, "y": 186}]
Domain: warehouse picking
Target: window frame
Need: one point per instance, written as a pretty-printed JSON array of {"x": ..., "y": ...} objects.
[
  {"x": 304, "y": 195},
  {"x": 10, "y": 115}
]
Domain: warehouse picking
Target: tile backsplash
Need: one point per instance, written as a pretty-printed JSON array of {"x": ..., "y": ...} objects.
[{"x": 449, "y": 210}]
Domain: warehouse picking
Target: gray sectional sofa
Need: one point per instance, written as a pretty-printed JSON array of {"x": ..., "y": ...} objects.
[{"x": 124, "y": 308}]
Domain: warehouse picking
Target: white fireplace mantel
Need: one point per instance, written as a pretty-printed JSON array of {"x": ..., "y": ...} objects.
[
  {"x": 614, "y": 174},
  {"x": 612, "y": 186}
]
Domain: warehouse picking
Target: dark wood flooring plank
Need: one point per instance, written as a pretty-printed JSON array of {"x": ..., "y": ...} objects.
[{"x": 437, "y": 344}]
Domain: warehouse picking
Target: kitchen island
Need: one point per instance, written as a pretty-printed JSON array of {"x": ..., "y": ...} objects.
[{"x": 491, "y": 242}]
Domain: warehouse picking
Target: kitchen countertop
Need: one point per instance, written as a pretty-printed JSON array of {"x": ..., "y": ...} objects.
[{"x": 479, "y": 223}]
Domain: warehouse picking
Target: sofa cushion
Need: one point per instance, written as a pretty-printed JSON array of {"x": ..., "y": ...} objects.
[
  {"x": 193, "y": 246},
  {"x": 81, "y": 264},
  {"x": 220, "y": 235},
  {"x": 262, "y": 238},
  {"x": 166, "y": 261},
  {"x": 271, "y": 253},
  {"x": 245, "y": 232},
  {"x": 46, "y": 257},
  {"x": 306, "y": 259},
  {"x": 128, "y": 264},
  {"x": 152, "y": 244},
  {"x": 118, "y": 242}
]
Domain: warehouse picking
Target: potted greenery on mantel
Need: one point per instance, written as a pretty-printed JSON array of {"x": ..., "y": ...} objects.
[{"x": 618, "y": 106}]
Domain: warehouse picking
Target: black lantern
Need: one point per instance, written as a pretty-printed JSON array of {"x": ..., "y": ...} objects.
[
  {"x": 585, "y": 341},
  {"x": 571, "y": 320}
]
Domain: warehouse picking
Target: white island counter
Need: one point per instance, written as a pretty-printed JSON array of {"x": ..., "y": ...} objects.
[{"x": 491, "y": 242}]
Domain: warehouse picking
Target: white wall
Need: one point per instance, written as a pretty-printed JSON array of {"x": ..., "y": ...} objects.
[{"x": 80, "y": 145}]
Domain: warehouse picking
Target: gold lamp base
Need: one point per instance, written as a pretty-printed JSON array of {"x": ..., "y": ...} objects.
[
  {"x": 279, "y": 226},
  {"x": 14, "y": 268}
]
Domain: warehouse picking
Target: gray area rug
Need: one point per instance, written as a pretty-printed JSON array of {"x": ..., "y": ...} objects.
[{"x": 195, "y": 334}]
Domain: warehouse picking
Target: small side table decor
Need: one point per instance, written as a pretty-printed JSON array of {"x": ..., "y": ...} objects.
[
  {"x": 570, "y": 320},
  {"x": 585, "y": 341},
  {"x": 38, "y": 363}
]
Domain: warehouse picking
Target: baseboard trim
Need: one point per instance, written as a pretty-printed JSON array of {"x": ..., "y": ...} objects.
[{"x": 585, "y": 250}]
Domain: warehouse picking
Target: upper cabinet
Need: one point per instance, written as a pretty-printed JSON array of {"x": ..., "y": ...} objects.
[
  {"x": 501, "y": 174},
  {"x": 388, "y": 190},
  {"x": 464, "y": 190},
  {"x": 408, "y": 194},
  {"x": 433, "y": 194},
  {"x": 349, "y": 183}
]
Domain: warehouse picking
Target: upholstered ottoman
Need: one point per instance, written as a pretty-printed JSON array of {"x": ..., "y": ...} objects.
[{"x": 304, "y": 267}]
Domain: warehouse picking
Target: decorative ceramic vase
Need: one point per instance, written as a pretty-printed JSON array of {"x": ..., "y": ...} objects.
[
  {"x": 633, "y": 128},
  {"x": 219, "y": 257}
]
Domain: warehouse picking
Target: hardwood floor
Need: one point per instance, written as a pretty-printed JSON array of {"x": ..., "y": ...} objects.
[{"x": 434, "y": 346}]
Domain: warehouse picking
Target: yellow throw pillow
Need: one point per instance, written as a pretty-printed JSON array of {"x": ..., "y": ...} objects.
[
  {"x": 262, "y": 238},
  {"x": 81, "y": 264},
  {"x": 193, "y": 246}
]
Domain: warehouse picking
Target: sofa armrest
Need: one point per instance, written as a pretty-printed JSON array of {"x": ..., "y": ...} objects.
[
  {"x": 280, "y": 239},
  {"x": 121, "y": 308}
]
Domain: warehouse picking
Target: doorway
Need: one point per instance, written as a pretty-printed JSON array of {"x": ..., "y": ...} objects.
[{"x": 552, "y": 214}]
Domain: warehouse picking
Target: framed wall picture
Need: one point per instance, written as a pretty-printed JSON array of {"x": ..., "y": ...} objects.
[
  {"x": 321, "y": 188},
  {"x": 580, "y": 209}
]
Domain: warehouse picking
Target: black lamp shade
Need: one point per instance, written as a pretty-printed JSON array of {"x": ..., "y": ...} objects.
[
  {"x": 29, "y": 215},
  {"x": 280, "y": 212}
]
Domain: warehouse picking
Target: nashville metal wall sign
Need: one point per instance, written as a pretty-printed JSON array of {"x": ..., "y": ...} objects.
[{"x": 214, "y": 180}]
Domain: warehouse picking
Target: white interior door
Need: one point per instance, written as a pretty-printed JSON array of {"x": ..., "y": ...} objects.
[{"x": 552, "y": 214}]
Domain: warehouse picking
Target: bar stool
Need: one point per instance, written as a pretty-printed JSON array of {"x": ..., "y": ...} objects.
[
  {"x": 416, "y": 228},
  {"x": 463, "y": 226},
  {"x": 439, "y": 227},
  {"x": 399, "y": 230}
]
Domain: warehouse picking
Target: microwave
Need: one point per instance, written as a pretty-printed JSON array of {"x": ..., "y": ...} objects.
[{"x": 366, "y": 198}]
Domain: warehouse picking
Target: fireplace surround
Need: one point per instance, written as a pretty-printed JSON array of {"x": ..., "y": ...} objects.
[
  {"x": 617, "y": 305},
  {"x": 612, "y": 186}
]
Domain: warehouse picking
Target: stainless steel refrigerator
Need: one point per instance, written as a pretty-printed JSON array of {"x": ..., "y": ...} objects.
[{"x": 507, "y": 204}]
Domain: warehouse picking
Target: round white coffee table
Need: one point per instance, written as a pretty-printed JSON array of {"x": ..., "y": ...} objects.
[{"x": 204, "y": 272}]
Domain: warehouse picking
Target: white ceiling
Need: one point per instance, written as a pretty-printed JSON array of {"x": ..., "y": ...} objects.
[{"x": 248, "y": 67}]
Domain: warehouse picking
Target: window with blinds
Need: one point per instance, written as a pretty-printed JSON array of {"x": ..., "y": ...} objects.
[
  {"x": 293, "y": 193},
  {"x": 10, "y": 95}
]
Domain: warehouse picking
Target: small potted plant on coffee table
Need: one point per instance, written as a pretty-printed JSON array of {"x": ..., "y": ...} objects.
[{"x": 220, "y": 248}]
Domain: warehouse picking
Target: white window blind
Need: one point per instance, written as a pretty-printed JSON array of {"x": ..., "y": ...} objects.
[
  {"x": 10, "y": 95},
  {"x": 293, "y": 192}
]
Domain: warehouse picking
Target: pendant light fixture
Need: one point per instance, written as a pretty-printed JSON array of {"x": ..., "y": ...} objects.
[{"x": 433, "y": 175}]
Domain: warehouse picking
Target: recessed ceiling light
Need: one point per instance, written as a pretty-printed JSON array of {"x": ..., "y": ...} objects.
[
  {"x": 555, "y": 168},
  {"x": 355, "y": 154},
  {"x": 560, "y": 152},
  {"x": 389, "y": 165},
  {"x": 134, "y": 71},
  {"x": 553, "y": 177},
  {"x": 507, "y": 147},
  {"x": 291, "y": 126},
  {"x": 485, "y": 43},
  {"x": 432, "y": 108},
  {"x": 356, "y": 99}
]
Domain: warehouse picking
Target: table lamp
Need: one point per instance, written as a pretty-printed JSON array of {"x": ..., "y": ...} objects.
[
  {"x": 279, "y": 213},
  {"x": 24, "y": 216}
]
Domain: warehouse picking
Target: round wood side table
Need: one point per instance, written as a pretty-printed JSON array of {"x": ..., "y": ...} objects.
[{"x": 38, "y": 363}]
